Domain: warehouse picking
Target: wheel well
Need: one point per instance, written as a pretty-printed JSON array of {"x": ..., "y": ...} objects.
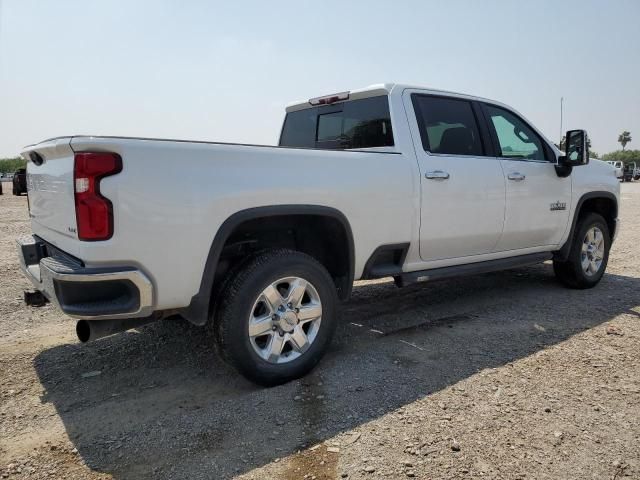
[
  {"x": 604, "y": 206},
  {"x": 603, "y": 203},
  {"x": 323, "y": 237}
]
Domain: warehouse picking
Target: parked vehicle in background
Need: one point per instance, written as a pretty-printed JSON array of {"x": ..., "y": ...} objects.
[
  {"x": 619, "y": 166},
  {"x": 629, "y": 172},
  {"x": 387, "y": 181},
  {"x": 4, "y": 177},
  {"x": 20, "y": 182}
]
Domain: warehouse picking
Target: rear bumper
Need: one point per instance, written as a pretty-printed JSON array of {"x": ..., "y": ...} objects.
[{"x": 82, "y": 292}]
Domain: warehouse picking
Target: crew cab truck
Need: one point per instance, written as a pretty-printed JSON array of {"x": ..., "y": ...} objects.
[{"x": 263, "y": 243}]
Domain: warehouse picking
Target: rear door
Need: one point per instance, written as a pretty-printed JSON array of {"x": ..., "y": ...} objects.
[
  {"x": 462, "y": 184},
  {"x": 537, "y": 199}
]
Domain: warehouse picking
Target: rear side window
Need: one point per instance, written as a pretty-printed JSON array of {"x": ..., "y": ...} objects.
[
  {"x": 364, "y": 123},
  {"x": 447, "y": 125}
]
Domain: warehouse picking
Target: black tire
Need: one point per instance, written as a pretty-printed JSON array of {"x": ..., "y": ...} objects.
[
  {"x": 238, "y": 297},
  {"x": 571, "y": 273}
]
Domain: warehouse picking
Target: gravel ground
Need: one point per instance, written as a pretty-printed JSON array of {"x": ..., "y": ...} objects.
[{"x": 506, "y": 375}]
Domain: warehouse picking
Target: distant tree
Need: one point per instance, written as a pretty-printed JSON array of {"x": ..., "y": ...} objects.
[
  {"x": 10, "y": 165},
  {"x": 593, "y": 154},
  {"x": 624, "y": 138}
]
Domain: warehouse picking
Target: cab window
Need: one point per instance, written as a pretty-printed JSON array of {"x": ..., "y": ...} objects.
[
  {"x": 447, "y": 125},
  {"x": 364, "y": 123},
  {"x": 515, "y": 138}
]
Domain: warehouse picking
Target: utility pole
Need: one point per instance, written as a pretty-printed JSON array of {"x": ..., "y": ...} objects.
[{"x": 561, "y": 100}]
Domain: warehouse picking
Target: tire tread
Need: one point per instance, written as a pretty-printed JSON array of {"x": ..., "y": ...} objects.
[
  {"x": 570, "y": 271},
  {"x": 226, "y": 321}
]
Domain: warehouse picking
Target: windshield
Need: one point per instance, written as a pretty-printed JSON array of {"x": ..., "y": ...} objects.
[{"x": 364, "y": 123}]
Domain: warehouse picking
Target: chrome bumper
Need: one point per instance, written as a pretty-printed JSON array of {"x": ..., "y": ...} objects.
[{"x": 81, "y": 292}]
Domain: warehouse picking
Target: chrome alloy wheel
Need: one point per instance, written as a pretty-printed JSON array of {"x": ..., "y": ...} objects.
[
  {"x": 285, "y": 320},
  {"x": 592, "y": 251}
]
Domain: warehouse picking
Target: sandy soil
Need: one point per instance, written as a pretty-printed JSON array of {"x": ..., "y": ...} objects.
[{"x": 505, "y": 375}]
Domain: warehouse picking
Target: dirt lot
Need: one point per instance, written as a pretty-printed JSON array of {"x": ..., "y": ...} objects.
[{"x": 505, "y": 375}]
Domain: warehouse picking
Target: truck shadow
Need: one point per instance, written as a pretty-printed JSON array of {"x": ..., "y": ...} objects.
[{"x": 163, "y": 405}]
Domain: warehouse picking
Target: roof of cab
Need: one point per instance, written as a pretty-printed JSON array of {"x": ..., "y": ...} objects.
[{"x": 382, "y": 89}]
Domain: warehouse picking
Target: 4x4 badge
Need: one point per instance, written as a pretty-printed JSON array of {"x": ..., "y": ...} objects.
[{"x": 558, "y": 206}]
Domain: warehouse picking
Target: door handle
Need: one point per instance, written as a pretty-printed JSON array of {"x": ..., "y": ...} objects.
[
  {"x": 516, "y": 176},
  {"x": 437, "y": 175}
]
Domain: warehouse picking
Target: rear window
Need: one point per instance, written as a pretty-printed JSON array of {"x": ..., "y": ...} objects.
[{"x": 364, "y": 123}]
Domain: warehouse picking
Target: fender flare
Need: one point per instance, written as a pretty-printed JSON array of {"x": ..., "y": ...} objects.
[
  {"x": 197, "y": 312},
  {"x": 563, "y": 254}
]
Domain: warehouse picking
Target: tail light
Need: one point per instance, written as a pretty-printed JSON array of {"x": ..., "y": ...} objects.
[{"x": 94, "y": 213}]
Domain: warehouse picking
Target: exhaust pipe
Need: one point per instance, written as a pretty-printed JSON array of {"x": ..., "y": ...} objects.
[{"x": 90, "y": 330}]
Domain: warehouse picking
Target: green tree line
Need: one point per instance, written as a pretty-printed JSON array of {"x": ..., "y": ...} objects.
[
  {"x": 626, "y": 156},
  {"x": 10, "y": 165}
]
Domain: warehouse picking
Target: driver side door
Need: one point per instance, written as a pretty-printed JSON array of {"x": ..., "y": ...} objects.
[{"x": 538, "y": 201}]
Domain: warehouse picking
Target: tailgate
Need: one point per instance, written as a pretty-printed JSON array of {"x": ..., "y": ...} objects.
[{"x": 50, "y": 187}]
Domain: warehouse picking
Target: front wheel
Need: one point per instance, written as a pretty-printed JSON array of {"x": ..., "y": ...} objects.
[
  {"x": 277, "y": 316},
  {"x": 589, "y": 254}
]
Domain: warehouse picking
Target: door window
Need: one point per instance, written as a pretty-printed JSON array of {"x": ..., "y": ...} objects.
[
  {"x": 515, "y": 138},
  {"x": 447, "y": 125}
]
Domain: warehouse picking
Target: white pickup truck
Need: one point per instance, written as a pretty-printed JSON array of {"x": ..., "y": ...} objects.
[
  {"x": 263, "y": 242},
  {"x": 619, "y": 169}
]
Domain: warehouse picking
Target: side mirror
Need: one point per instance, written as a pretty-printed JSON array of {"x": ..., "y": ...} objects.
[{"x": 576, "y": 148}]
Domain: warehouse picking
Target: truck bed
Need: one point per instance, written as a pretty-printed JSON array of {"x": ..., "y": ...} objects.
[{"x": 172, "y": 196}]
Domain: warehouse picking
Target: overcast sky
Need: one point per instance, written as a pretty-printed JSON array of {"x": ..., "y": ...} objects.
[{"x": 223, "y": 71}]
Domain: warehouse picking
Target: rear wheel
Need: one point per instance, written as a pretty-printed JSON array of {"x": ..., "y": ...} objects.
[
  {"x": 277, "y": 316},
  {"x": 588, "y": 256}
]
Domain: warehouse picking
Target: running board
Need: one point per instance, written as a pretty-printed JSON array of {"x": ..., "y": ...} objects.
[{"x": 432, "y": 274}]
